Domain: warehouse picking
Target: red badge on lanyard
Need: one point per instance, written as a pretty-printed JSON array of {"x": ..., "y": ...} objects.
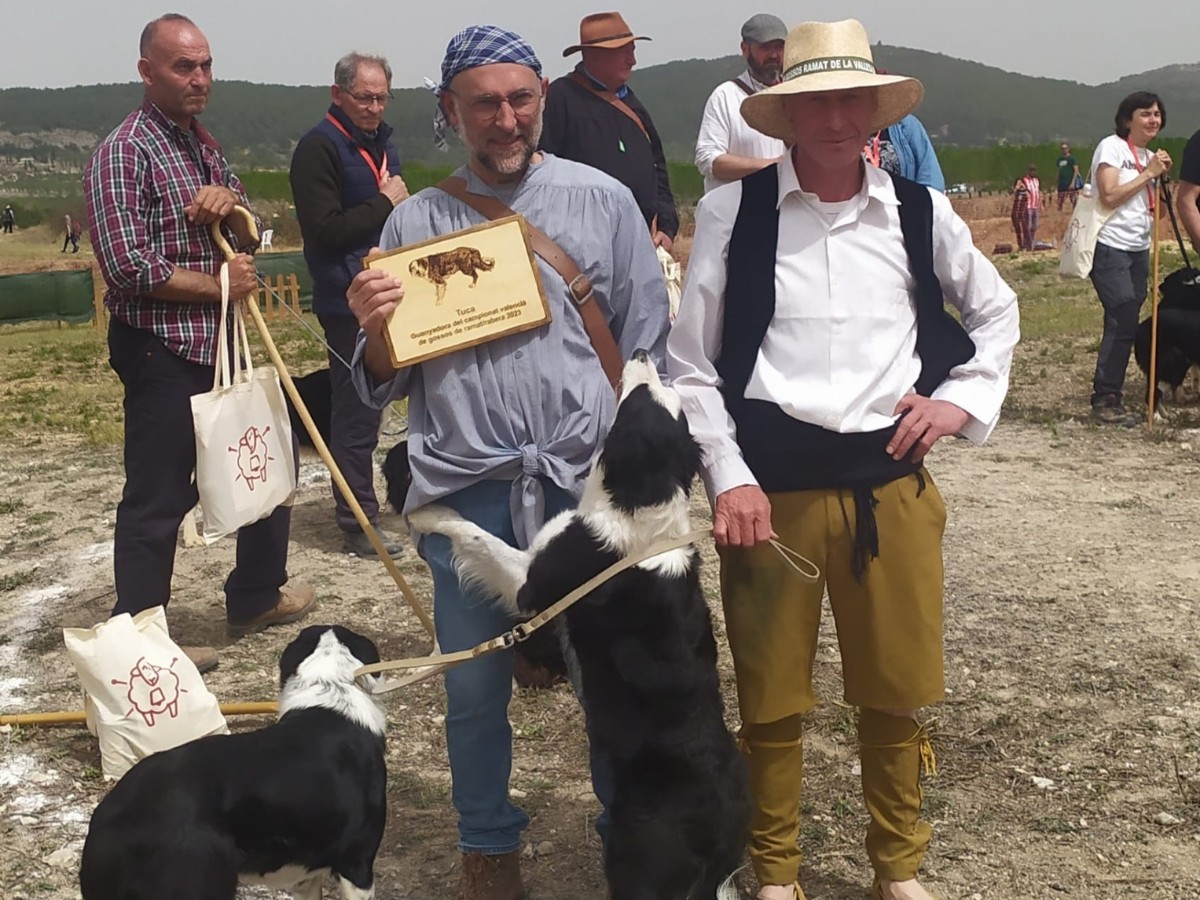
[
  {"x": 1137, "y": 162},
  {"x": 380, "y": 174}
]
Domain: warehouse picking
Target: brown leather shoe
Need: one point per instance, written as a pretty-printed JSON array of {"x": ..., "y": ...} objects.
[
  {"x": 295, "y": 602},
  {"x": 491, "y": 877},
  {"x": 203, "y": 658}
]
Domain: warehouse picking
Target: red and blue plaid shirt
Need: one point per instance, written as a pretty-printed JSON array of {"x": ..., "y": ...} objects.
[{"x": 137, "y": 183}]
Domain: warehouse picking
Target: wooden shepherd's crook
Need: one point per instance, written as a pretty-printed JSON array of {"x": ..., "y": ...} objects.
[
  {"x": 78, "y": 717},
  {"x": 285, "y": 379},
  {"x": 1152, "y": 393}
]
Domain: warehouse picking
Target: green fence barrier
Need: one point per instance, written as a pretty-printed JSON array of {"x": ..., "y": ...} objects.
[
  {"x": 46, "y": 296},
  {"x": 271, "y": 264}
]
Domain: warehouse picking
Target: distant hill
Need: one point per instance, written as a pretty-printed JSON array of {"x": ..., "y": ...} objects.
[{"x": 966, "y": 104}]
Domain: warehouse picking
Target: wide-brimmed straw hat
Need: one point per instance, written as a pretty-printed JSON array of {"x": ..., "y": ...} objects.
[
  {"x": 606, "y": 29},
  {"x": 830, "y": 56}
]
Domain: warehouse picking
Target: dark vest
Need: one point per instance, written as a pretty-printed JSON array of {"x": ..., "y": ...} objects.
[
  {"x": 333, "y": 270},
  {"x": 784, "y": 453}
]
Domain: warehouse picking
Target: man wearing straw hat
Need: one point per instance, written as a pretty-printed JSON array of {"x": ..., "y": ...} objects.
[
  {"x": 504, "y": 432},
  {"x": 593, "y": 117},
  {"x": 816, "y": 399}
]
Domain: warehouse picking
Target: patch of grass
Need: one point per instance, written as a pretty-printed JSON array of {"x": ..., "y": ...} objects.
[
  {"x": 421, "y": 793},
  {"x": 1053, "y": 825},
  {"x": 11, "y": 505},
  {"x": 14, "y": 580}
]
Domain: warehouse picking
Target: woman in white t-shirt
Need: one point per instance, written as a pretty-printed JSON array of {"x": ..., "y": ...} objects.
[{"x": 1125, "y": 175}]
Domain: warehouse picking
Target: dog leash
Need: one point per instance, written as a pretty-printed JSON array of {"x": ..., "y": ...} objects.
[
  {"x": 250, "y": 303},
  {"x": 428, "y": 666}
]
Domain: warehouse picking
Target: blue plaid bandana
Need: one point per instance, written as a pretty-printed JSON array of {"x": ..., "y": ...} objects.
[{"x": 479, "y": 45}]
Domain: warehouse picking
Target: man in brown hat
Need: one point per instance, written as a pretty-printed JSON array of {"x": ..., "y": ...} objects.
[
  {"x": 817, "y": 368},
  {"x": 593, "y": 117}
]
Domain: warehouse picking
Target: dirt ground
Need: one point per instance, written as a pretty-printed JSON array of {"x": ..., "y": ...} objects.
[{"x": 1068, "y": 746}]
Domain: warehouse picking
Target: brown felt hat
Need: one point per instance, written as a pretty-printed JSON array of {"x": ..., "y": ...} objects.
[
  {"x": 606, "y": 29},
  {"x": 830, "y": 56}
]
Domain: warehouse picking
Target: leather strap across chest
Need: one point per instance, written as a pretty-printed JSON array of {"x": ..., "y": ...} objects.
[
  {"x": 608, "y": 96},
  {"x": 579, "y": 284}
]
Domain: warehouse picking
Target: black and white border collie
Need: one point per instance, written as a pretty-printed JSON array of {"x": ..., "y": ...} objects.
[
  {"x": 283, "y": 806},
  {"x": 1178, "y": 332},
  {"x": 644, "y": 645}
]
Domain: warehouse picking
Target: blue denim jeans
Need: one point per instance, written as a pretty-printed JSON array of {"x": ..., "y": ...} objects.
[
  {"x": 478, "y": 733},
  {"x": 1119, "y": 277}
]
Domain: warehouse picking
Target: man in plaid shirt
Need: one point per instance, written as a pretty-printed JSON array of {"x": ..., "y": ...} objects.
[{"x": 154, "y": 186}]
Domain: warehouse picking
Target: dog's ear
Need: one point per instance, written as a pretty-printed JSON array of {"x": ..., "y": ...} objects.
[
  {"x": 361, "y": 648},
  {"x": 649, "y": 452},
  {"x": 300, "y": 649}
]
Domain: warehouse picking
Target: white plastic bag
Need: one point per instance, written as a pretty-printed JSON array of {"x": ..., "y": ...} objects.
[
  {"x": 1079, "y": 243},
  {"x": 141, "y": 692},
  {"x": 673, "y": 275},
  {"x": 245, "y": 462}
]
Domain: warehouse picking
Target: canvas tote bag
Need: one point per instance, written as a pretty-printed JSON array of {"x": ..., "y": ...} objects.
[
  {"x": 141, "y": 692},
  {"x": 673, "y": 275},
  {"x": 1079, "y": 243},
  {"x": 245, "y": 462}
]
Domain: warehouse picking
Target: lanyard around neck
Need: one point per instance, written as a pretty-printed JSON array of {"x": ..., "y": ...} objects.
[
  {"x": 1137, "y": 162},
  {"x": 380, "y": 174}
]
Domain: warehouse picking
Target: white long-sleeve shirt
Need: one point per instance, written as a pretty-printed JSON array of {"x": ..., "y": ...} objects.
[
  {"x": 723, "y": 130},
  {"x": 840, "y": 351}
]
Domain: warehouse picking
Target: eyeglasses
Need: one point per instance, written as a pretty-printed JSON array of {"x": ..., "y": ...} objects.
[
  {"x": 487, "y": 106},
  {"x": 371, "y": 99}
]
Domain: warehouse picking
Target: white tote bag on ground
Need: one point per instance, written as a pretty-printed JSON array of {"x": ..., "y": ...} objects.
[
  {"x": 1079, "y": 243},
  {"x": 141, "y": 692},
  {"x": 245, "y": 464}
]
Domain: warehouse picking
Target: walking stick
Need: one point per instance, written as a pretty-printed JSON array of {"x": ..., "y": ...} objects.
[
  {"x": 322, "y": 449},
  {"x": 1152, "y": 393},
  {"x": 78, "y": 717}
]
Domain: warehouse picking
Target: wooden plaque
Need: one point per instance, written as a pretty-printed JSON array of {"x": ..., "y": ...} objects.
[{"x": 463, "y": 289}]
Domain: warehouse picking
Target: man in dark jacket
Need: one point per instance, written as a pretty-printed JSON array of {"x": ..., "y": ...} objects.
[
  {"x": 345, "y": 182},
  {"x": 593, "y": 117}
]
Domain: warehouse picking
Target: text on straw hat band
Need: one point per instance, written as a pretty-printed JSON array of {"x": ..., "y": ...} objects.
[{"x": 829, "y": 64}]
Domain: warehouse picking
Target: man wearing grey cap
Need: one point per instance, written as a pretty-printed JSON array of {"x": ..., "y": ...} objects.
[{"x": 727, "y": 148}]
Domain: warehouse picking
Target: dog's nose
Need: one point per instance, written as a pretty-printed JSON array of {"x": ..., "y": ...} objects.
[{"x": 640, "y": 355}]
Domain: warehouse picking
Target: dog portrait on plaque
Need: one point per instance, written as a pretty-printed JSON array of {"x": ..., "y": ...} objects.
[{"x": 463, "y": 289}]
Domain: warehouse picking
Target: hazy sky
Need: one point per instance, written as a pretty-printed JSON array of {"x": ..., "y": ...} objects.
[{"x": 58, "y": 43}]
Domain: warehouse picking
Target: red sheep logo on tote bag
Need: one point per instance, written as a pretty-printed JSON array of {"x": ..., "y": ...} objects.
[
  {"x": 153, "y": 690},
  {"x": 252, "y": 456}
]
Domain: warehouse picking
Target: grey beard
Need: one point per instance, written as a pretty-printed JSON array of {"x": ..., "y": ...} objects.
[
  {"x": 510, "y": 167},
  {"x": 768, "y": 76}
]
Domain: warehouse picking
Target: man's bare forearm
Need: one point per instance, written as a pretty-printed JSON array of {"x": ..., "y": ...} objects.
[
  {"x": 728, "y": 167},
  {"x": 188, "y": 286},
  {"x": 377, "y": 359}
]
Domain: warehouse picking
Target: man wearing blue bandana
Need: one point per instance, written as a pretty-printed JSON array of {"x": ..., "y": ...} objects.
[
  {"x": 593, "y": 117},
  {"x": 504, "y": 432}
]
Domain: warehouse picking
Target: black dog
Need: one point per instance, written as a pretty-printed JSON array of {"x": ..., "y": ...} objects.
[
  {"x": 397, "y": 475},
  {"x": 1178, "y": 331},
  {"x": 645, "y": 647},
  {"x": 283, "y": 806},
  {"x": 315, "y": 391}
]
